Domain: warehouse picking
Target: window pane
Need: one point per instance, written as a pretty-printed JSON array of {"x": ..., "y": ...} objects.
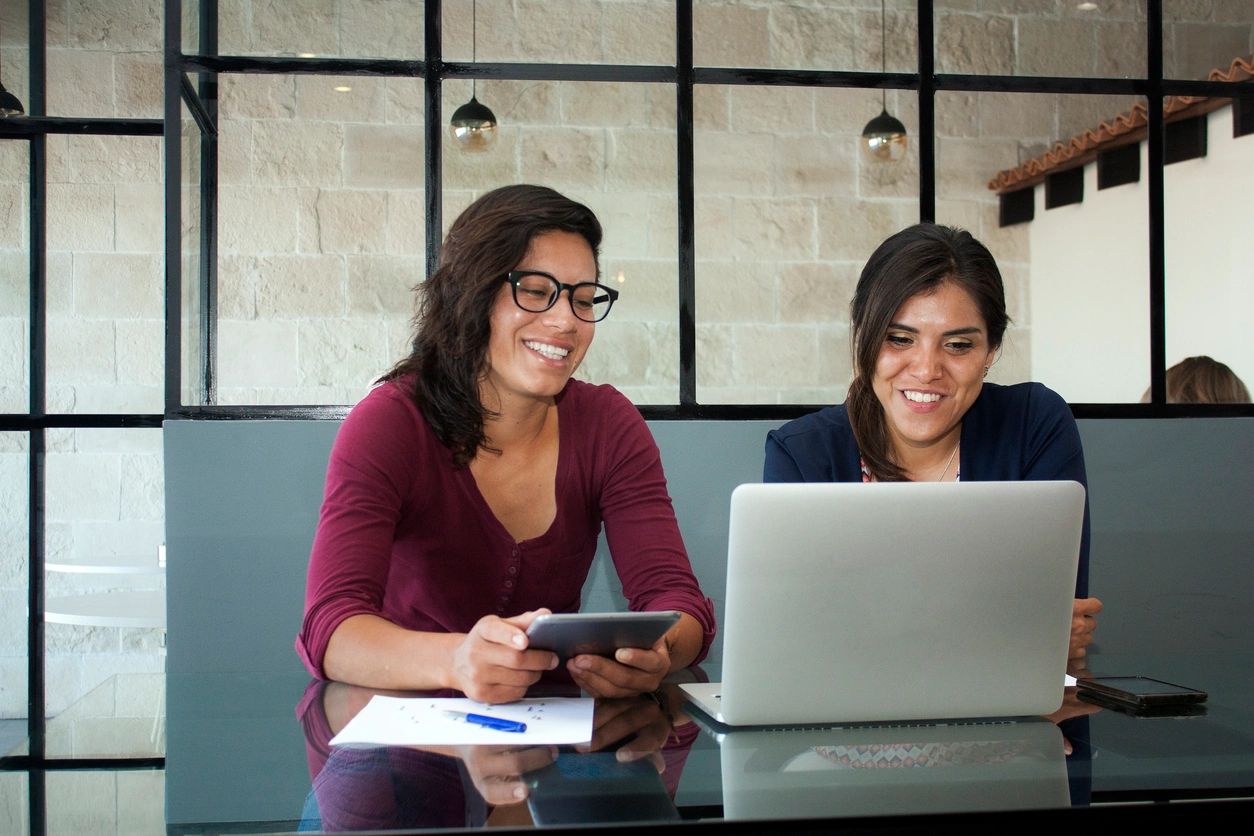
[
  {"x": 1077, "y": 274},
  {"x": 105, "y": 600},
  {"x": 321, "y": 28},
  {"x": 1199, "y": 38},
  {"x": 822, "y": 35},
  {"x": 612, "y": 147},
  {"x": 14, "y": 52},
  {"x": 104, "y": 59},
  {"x": 192, "y": 336},
  {"x": 105, "y": 284},
  {"x": 106, "y": 801},
  {"x": 320, "y": 234},
  {"x": 1031, "y": 38},
  {"x": 1209, "y": 249},
  {"x": 788, "y": 208},
  {"x": 14, "y": 589},
  {"x": 14, "y": 803},
  {"x": 560, "y": 31},
  {"x": 14, "y": 276}
]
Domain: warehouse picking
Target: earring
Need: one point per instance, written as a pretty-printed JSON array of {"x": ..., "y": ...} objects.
[{"x": 986, "y": 368}]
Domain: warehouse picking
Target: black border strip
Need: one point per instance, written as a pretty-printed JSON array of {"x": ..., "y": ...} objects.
[
  {"x": 36, "y": 671},
  {"x": 17, "y": 422},
  {"x": 685, "y": 197},
  {"x": 927, "y": 112},
  {"x": 299, "y": 66},
  {"x": 433, "y": 132},
  {"x": 31, "y": 126},
  {"x": 27, "y": 763},
  {"x": 173, "y": 118},
  {"x": 1156, "y": 161}
]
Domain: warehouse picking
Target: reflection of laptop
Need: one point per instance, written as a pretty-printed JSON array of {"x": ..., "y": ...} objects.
[
  {"x": 896, "y": 601},
  {"x": 902, "y": 769}
]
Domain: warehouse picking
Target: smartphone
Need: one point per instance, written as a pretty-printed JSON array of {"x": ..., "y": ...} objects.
[
  {"x": 600, "y": 634},
  {"x": 1138, "y": 694},
  {"x": 595, "y": 787}
]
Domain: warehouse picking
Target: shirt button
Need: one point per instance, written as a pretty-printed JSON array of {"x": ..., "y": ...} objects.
[
  {"x": 513, "y": 570},
  {"x": 509, "y": 584},
  {"x": 500, "y": 609},
  {"x": 515, "y": 552}
]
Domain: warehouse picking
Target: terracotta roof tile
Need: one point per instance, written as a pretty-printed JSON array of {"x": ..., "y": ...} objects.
[{"x": 1125, "y": 128}]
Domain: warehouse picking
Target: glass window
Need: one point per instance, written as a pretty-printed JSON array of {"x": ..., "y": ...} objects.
[
  {"x": 1104, "y": 39},
  {"x": 105, "y": 600},
  {"x": 320, "y": 234},
  {"x": 1204, "y": 38},
  {"x": 104, "y": 60},
  {"x": 788, "y": 208},
  {"x": 1076, "y": 270},
  {"x": 318, "y": 28},
  {"x": 820, "y": 35},
  {"x": 14, "y": 586},
  {"x": 560, "y": 31},
  {"x": 14, "y": 276},
  {"x": 1208, "y": 247},
  {"x": 14, "y": 51},
  {"x": 106, "y": 801},
  {"x": 105, "y": 279},
  {"x": 14, "y": 801},
  {"x": 612, "y": 147}
]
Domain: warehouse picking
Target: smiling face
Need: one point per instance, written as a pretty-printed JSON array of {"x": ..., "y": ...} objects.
[
  {"x": 532, "y": 355},
  {"x": 931, "y": 368}
]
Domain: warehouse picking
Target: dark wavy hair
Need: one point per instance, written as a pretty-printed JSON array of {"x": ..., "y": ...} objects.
[
  {"x": 452, "y": 326},
  {"x": 913, "y": 261}
]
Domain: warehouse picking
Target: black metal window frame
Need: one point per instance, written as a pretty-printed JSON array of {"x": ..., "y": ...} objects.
[{"x": 200, "y": 99}]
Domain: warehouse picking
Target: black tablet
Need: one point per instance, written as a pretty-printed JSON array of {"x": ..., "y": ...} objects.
[{"x": 572, "y": 634}]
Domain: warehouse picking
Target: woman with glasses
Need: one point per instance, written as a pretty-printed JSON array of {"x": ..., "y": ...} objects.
[
  {"x": 465, "y": 494},
  {"x": 928, "y": 316}
]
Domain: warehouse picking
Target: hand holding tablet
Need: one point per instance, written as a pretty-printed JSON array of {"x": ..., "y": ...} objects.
[{"x": 599, "y": 634}]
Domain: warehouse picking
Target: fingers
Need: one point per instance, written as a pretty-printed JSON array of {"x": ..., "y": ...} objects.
[
  {"x": 632, "y": 671},
  {"x": 616, "y": 720},
  {"x": 491, "y": 663},
  {"x": 1086, "y": 606},
  {"x": 497, "y": 774}
]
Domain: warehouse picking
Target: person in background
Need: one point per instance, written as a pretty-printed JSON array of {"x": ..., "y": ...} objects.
[
  {"x": 927, "y": 320},
  {"x": 1202, "y": 380},
  {"x": 465, "y": 493}
]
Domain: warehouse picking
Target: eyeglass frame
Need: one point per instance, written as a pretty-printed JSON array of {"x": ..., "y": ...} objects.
[{"x": 513, "y": 277}]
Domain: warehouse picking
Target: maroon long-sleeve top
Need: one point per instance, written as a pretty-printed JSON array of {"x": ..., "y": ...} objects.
[{"x": 406, "y": 535}]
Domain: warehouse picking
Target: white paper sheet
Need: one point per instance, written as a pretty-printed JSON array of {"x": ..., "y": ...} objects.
[
  {"x": 1068, "y": 681},
  {"x": 401, "y": 721}
]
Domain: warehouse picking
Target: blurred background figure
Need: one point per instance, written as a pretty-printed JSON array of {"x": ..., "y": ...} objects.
[{"x": 1202, "y": 380}]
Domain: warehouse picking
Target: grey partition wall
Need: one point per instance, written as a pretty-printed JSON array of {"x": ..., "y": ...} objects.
[{"x": 1171, "y": 506}]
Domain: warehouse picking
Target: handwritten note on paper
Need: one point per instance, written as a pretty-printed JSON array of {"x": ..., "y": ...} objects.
[{"x": 400, "y": 721}]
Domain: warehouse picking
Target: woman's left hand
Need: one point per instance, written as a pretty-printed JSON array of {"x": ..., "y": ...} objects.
[
  {"x": 1083, "y": 623},
  {"x": 631, "y": 671}
]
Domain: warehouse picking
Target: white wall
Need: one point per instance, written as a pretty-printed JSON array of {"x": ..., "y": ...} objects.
[{"x": 1090, "y": 268}]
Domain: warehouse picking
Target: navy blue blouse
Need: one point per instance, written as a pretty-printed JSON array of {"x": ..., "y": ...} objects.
[{"x": 1010, "y": 433}]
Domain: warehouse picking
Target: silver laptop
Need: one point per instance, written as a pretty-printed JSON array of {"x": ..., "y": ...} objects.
[{"x": 896, "y": 601}]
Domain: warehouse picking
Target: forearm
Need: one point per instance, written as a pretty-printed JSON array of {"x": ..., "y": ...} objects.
[
  {"x": 373, "y": 652},
  {"x": 684, "y": 641}
]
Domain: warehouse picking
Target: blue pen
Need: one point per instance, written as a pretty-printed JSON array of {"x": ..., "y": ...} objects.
[{"x": 495, "y": 723}]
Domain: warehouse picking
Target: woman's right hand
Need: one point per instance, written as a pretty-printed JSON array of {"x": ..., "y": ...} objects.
[{"x": 492, "y": 664}]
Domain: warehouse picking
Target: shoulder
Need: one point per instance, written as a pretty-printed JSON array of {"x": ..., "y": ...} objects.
[
  {"x": 828, "y": 425},
  {"x": 386, "y": 422},
  {"x": 819, "y": 447},
  {"x": 597, "y": 405},
  {"x": 1029, "y": 402}
]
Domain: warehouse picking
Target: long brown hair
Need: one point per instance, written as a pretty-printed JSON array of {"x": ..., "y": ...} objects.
[
  {"x": 452, "y": 326},
  {"x": 913, "y": 261}
]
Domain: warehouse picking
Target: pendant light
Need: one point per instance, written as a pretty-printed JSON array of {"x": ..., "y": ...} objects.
[
  {"x": 473, "y": 126},
  {"x": 884, "y": 137},
  {"x": 10, "y": 105}
]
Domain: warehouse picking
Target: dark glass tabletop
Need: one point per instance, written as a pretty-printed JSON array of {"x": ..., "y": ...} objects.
[{"x": 249, "y": 752}]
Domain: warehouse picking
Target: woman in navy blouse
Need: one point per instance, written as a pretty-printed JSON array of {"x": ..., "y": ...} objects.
[{"x": 928, "y": 317}]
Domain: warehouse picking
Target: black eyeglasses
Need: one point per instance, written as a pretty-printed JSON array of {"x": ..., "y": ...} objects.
[{"x": 537, "y": 292}]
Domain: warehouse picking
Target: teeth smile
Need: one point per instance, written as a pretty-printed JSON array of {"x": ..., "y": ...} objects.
[
  {"x": 921, "y": 397},
  {"x": 550, "y": 351}
]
